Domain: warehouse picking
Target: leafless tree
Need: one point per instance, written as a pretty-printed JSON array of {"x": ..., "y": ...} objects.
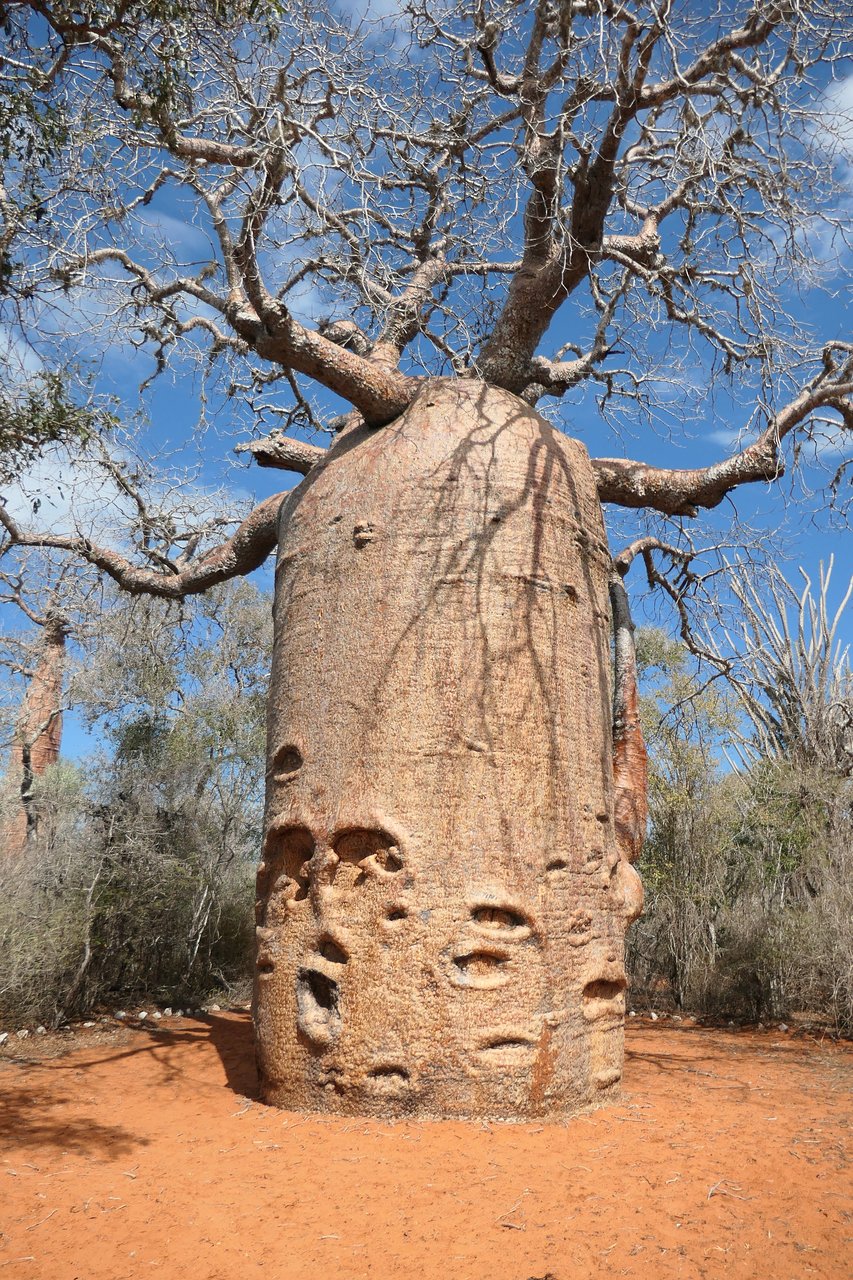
[
  {"x": 615, "y": 175},
  {"x": 523, "y": 195},
  {"x": 792, "y": 672},
  {"x": 561, "y": 201}
]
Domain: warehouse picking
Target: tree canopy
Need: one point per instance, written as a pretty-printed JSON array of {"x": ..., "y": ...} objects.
[{"x": 562, "y": 198}]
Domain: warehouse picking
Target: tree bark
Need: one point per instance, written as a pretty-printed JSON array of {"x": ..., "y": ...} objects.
[
  {"x": 630, "y": 760},
  {"x": 443, "y": 895},
  {"x": 39, "y": 735}
]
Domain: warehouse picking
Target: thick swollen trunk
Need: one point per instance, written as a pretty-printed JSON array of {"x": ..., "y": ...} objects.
[
  {"x": 443, "y": 896},
  {"x": 40, "y": 728}
]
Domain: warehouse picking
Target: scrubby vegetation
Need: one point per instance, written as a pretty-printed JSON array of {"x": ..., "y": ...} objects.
[
  {"x": 138, "y": 882},
  {"x": 748, "y": 873}
]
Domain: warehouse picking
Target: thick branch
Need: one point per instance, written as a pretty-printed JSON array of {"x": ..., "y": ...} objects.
[
  {"x": 682, "y": 492},
  {"x": 380, "y": 394},
  {"x": 245, "y": 551},
  {"x": 278, "y": 450},
  {"x": 562, "y": 245}
]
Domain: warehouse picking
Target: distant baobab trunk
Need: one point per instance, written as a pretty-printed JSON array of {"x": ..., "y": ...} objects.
[
  {"x": 39, "y": 735},
  {"x": 446, "y": 882}
]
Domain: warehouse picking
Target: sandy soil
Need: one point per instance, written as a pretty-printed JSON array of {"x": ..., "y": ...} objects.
[{"x": 142, "y": 1154}]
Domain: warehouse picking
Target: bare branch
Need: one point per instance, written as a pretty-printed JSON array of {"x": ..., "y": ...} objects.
[
  {"x": 683, "y": 492},
  {"x": 242, "y": 553},
  {"x": 278, "y": 450},
  {"x": 658, "y": 169}
]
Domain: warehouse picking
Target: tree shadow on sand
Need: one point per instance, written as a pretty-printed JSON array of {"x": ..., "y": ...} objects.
[
  {"x": 233, "y": 1040},
  {"x": 29, "y": 1117},
  {"x": 230, "y": 1034},
  {"x": 38, "y": 1115}
]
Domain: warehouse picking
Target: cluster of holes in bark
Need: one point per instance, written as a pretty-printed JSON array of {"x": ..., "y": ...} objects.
[
  {"x": 486, "y": 967},
  {"x": 284, "y": 874},
  {"x": 284, "y": 877}
]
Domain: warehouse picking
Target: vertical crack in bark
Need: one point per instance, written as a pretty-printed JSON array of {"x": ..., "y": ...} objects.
[{"x": 630, "y": 761}]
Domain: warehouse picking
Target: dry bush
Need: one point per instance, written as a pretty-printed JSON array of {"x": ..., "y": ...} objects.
[
  {"x": 749, "y": 875},
  {"x": 749, "y": 911},
  {"x": 115, "y": 903}
]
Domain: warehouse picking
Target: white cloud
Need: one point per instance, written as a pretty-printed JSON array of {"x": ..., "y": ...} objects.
[
  {"x": 836, "y": 127},
  {"x": 727, "y": 438},
  {"x": 82, "y": 322},
  {"x": 18, "y": 359},
  {"x": 376, "y": 11},
  {"x": 837, "y": 105},
  {"x": 384, "y": 23},
  {"x": 827, "y": 443},
  {"x": 64, "y": 492},
  {"x": 69, "y": 491}
]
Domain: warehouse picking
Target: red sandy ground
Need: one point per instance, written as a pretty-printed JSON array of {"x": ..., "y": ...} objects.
[{"x": 141, "y": 1154}]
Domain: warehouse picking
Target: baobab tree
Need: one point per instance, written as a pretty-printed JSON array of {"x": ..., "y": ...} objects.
[{"x": 419, "y": 232}]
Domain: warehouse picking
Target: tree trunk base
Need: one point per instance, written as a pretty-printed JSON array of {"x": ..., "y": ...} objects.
[{"x": 511, "y": 1080}]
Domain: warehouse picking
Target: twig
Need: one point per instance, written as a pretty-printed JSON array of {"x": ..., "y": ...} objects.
[
  {"x": 41, "y": 1220},
  {"x": 513, "y": 1226},
  {"x": 721, "y": 1188}
]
